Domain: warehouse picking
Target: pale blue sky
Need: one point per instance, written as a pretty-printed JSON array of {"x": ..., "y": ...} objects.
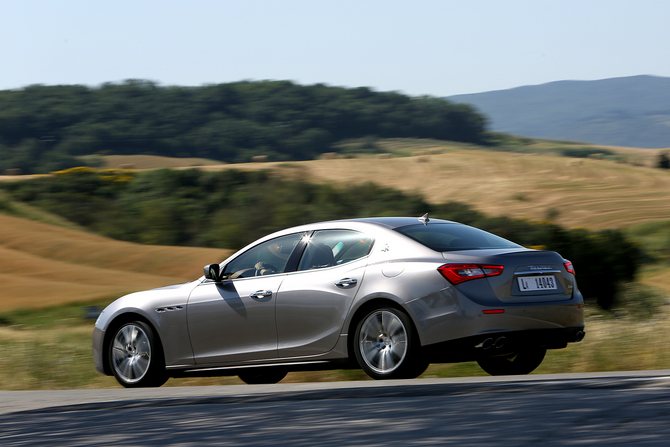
[{"x": 416, "y": 47}]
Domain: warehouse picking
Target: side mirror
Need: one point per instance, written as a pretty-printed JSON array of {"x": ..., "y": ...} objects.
[{"x": 212, "y": 272}]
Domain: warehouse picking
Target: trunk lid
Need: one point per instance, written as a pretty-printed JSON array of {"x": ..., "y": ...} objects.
[{"x": 527, "y": 276}]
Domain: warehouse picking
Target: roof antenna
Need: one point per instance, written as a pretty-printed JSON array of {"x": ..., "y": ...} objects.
[{"x": 424, "y": 219}]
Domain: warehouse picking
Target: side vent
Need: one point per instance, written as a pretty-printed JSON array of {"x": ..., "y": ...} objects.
[{"x": 161, "y": 310}]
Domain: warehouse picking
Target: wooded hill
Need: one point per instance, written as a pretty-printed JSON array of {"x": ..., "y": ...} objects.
[{"x": 42, "y": 128}]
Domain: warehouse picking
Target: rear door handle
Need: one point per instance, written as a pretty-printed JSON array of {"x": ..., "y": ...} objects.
[
  {"x": 346, "y": 282},
  {"x": 261, "y": 294}
]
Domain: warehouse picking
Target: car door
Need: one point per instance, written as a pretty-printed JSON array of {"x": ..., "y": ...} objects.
[
  {"x": 234, "y": 319},
  {"x": 313, "y": 302}
]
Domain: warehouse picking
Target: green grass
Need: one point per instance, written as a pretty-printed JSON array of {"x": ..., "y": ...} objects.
[
  {"x": 48, "y": 360},
  {"x": 52, "y": 317},
  {"x": 48, "y": 348}
]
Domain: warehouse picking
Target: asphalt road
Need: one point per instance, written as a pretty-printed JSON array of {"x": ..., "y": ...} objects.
[{"x": 582, "y": 409}]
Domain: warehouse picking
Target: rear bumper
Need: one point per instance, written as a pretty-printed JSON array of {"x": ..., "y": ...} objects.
[
  {"x": 448, "y": 315},
  {"x": 499, "y": 343}
]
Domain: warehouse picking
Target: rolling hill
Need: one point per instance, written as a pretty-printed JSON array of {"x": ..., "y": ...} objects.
[
  {"x": 591, "y": 193},
  {"x": 630, "y": 111},
  {"x": 42, "y": 264}
]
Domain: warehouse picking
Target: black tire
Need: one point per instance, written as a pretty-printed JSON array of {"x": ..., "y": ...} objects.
[
  {"x": 387, "y": 346},
  {"x": 522, "y": 362},
  {"x": 257, "y": 376},
  {"x": 135, "y": 356}
]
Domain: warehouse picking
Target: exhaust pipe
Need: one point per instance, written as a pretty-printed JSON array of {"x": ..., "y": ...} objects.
[
  {"x": 500, "y": 342},
  {"x": 579, "y": 336},
  {"x": 486, "y": 344}
]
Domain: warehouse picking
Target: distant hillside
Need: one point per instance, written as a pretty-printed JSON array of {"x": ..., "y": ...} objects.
[{"x": 632, "y": 111}]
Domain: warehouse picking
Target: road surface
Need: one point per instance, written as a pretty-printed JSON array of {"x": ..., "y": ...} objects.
[{"x": 580, "y": 409}]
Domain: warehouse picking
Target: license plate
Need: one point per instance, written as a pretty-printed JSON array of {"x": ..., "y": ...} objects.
[{"x": 534, "y": 283}]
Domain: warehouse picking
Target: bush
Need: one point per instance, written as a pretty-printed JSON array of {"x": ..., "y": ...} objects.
[
  {"x": 639, "y": 301},
  {"x": 663, "y": 161},
  {"x": 6, "y": 206}
]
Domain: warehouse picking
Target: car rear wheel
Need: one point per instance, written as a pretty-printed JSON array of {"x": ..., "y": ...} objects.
[
  {"x": 521, "y": 362},
  {"x": 135, "y": 356},
  {"x": 387, "y": 347},
  {"x": 258, "y": 376}
]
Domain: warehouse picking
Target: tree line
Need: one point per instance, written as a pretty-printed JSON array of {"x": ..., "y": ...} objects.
[
  {"x": 43, "y": 128},
  {"x": 230, "y": 209}
]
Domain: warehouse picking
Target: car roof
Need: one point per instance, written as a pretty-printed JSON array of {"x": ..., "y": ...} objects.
[
  {"x": 361, "y": 224},
  {"x": 389, "y": 222}
]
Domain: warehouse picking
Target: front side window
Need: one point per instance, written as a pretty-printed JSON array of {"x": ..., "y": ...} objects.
[
  {"x": 454, "y": 237},
  {"x": 267, "y": 258},
  {"x": 328, "y": 248}
]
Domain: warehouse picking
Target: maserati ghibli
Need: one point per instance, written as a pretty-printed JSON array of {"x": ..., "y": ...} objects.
[{"x": 387, "y": 295}]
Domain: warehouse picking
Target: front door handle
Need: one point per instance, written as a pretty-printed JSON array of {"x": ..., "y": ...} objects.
[
  {"x": 346, "y": 282},
  {"x": 261, "y": 294}
]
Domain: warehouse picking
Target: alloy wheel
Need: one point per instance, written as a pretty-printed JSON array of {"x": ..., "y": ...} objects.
[
  {"x": 131, "y": 353},
  {"x": 383, "y": 341}
]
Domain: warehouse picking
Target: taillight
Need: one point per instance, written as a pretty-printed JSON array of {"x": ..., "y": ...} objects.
[
  {"x": 568, "y": 266},
  {"x": 458, "y": 273}
]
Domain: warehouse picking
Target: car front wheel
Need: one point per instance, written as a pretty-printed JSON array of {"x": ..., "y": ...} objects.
[
  {"x": 135, "y": 357},
  {"x": 521, "y": 362},
  {"x": 387, "y": 347}
]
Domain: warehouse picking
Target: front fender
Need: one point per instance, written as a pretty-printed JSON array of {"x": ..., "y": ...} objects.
[{"x": 164, "y": 309}]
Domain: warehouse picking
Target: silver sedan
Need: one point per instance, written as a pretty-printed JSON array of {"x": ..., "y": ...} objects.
[{"x": 388, "y": 295}]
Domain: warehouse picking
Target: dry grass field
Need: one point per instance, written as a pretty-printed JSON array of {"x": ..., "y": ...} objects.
[
  {"x": 43, "y": 265},
  {"x": 589, "y": 193}
]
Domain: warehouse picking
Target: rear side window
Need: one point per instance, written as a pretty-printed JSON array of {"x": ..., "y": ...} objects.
[
  {"x": 328, "y": 248},
  {"x": 454, "y": 237}
]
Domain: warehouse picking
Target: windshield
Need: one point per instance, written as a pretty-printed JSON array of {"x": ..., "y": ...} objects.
[{"x": 454, "y": 237}]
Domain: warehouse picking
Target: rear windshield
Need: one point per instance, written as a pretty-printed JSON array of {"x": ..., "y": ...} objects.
[{"x": 454, "y": 237}]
